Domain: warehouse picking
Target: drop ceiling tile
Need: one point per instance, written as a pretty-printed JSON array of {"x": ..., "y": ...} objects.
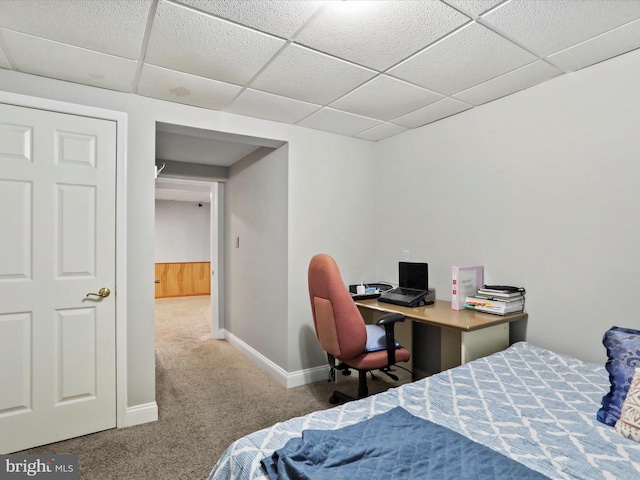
[
  {"x": 310, "y": 76},
  {"x": 381, "y": 132},
  {"x": 385, "y": 98},
  {"x": 65, "y": 62},
  {"x": 278, "y": 17},
  {"x": 114, "y": 27},
  {"x": 431, "y": 113},
  {"x": 546, "y": 27},
  {"x": 379, "y": 34},
  {"x": 514, "y": 81},
  {"x": 474, "y": 7},
  {"x": 607, "y": 45},
  {"x": 255, "y": 103},
  {"x": 189, "y": 41},
  {"x": 181, "y": 87},
  {"x": 338, "y": 122},
  {"x": 472, "y": 55},
  {"x": 225, "y": 44}
]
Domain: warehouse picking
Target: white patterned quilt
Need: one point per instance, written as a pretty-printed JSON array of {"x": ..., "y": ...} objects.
[{"x": 532, "y": 405}]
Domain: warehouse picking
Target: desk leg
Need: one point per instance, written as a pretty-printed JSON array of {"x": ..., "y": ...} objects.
[
  {"x": 450, "y": 348},
  {"x": 427, "y": 349}
]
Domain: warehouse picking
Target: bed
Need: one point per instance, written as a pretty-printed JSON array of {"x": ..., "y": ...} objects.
[{"x": 531, "y": 405}]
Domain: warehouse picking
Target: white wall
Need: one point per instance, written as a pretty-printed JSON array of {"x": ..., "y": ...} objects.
[
  {"x": 329, "y": 180},
  {"x": 330, "y": 195},
  {"x": 182, "y": 232},
  {"x": 541, "y": 188},
  {"x": 256, "y": 253},
  {"x": 560, "y": 160},
  {"x": 332, "y": 210}
]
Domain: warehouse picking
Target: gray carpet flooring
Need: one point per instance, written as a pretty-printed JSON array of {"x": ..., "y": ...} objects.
[{"x": 208, "y": 395}]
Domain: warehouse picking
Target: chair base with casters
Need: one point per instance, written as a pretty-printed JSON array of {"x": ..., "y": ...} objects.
[
  {"x": 337, "y": 397},
  {"x": 340, "y": 397}
]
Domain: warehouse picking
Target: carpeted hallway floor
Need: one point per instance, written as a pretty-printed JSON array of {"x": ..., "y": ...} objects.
[{"x": 208, "y": 395}]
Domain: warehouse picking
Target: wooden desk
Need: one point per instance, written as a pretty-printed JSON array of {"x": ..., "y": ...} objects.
[{"x": 443, "y": 338}]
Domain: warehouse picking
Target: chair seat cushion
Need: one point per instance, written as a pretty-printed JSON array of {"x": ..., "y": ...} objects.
[
  {"x": 374, "y": 360},
  {"x": 376, "y": 339}
]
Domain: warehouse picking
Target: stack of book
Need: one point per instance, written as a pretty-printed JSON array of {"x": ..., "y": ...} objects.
[{"x": 497, "y": 299}]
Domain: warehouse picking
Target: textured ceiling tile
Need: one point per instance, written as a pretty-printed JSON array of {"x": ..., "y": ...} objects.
[
  {"x": 431, "y": 113},
  {"x": 338, "y": 122},
  {"x": 310, "y": 76},
  {"x": 254, "y": 103},
  {"x": 546, "y": 27},
  {"x": 192, "y": 42},
  {"x": 525, "y": 77},
  {"x": 475, "y": 7},
  {"x": 379, "y": 34},
  {"x": 616, "y": 42},
  {"x": 95, "y": 42},
  {"x": 180, "y": 87},
  {"x": 278, "y": 17},
  {"x": 381, "y": 132},
  {"x": 466, "y": 58},
  {"x": 115, "y": 27},
  {"x": 385, "y": 98},
  {"x": 64, "y": 62}
]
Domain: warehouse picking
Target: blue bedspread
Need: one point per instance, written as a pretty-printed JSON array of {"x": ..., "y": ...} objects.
[
  {"x": 392, "y": 445},
  {"x": 532, "y": 405}
]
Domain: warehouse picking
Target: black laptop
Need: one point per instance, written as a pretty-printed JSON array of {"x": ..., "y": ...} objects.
[
  {"x": 406, "y": 297},
  {"x": 414, "y": 286}
]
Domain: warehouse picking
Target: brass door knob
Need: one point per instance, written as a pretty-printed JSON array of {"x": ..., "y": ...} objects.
[{"x": 103, "y": 292}]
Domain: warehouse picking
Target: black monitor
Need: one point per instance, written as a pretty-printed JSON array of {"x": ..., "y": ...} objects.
[{"x": 413, "y": 275}]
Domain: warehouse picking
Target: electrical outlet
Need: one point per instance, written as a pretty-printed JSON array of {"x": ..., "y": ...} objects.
[{"x": 405, "y": 255}]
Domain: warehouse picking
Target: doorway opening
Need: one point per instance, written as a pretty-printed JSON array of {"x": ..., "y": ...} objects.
[{"x": 188, "y": 242}]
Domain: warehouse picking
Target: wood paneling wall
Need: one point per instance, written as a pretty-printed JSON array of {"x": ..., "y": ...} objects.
[{"x": 183, "y": 279}]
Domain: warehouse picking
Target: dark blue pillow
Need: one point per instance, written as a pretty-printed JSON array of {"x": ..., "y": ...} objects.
[{"x": 623, "y": 352}]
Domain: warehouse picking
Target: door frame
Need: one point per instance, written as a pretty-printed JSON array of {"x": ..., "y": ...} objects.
[
  {"x": 216, "y": 247},
  {"x": 121, "y": 225}
]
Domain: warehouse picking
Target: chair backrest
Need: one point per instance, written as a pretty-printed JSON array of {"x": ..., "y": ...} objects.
[{"x": 339, "y": 325}]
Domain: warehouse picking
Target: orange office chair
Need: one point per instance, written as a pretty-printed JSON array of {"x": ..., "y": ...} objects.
[{"x": 342, "y": 332}]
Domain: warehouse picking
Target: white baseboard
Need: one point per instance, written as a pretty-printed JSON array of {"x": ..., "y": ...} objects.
[
  {"x": 287, "y": 379},
  {"x": 143, "y": 413},
  {"x": 308, "y": 375}
]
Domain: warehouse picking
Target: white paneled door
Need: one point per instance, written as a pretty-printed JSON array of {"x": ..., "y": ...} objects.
[{"x": 57, "y": 244}]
